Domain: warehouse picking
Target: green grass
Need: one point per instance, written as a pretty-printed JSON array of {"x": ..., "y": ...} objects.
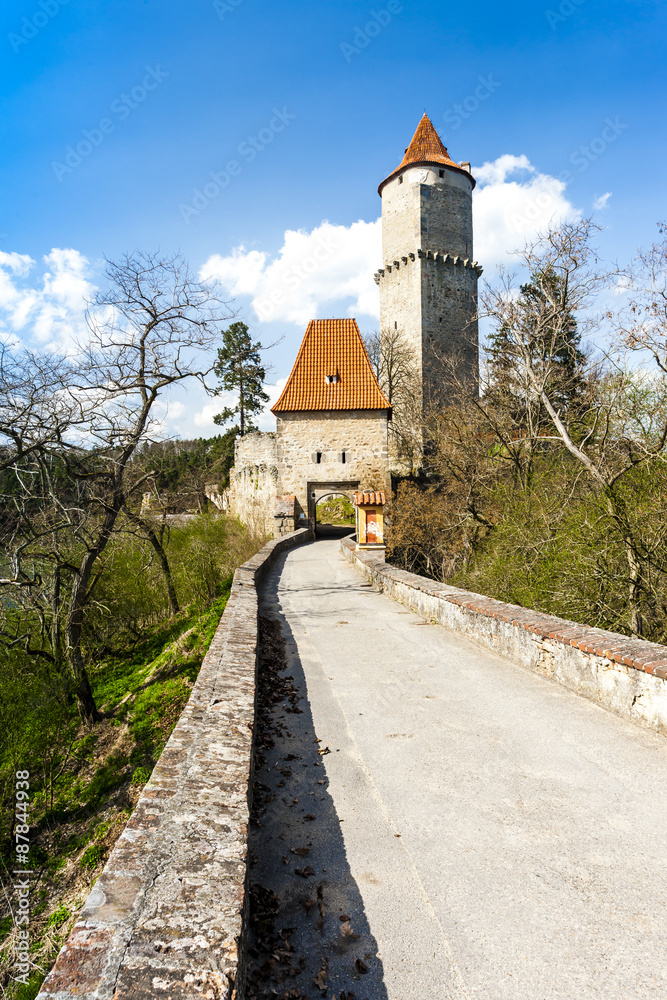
[{"x": 144, "y": 689}]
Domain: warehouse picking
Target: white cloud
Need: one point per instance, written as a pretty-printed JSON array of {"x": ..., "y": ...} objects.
[
  {"x": 204, "y": 418},
  {"x": 47, "y": 309},
  {"x": 326, "y": 271},
  {"x": 511, "y": 204},
  {"x": 329, "y": 271},
  {"x": 601, "y": 202}
]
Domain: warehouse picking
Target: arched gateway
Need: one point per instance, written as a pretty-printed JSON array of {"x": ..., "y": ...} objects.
[{"x": 331, "y": 433}]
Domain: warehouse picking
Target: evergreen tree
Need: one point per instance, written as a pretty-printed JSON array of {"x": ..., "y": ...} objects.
[
  {"x": 545, "y": 326},
  {"x": 239, "y": 369}
]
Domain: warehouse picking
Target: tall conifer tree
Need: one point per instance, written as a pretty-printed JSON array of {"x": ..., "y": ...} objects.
[{"x": 240, "y": 369}]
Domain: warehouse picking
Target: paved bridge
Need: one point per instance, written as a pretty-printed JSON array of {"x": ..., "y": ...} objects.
[
  {"x": 487, "y": 833},
  {"x": 429, "y": 820}
]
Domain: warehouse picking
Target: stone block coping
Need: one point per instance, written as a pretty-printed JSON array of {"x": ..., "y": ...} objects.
[
  {"x": 628, "y": 676},
  {"x": 165, "y": 917}
]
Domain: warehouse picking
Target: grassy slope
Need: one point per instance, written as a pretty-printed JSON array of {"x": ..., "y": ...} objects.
[{"x": 142, "y": 695}]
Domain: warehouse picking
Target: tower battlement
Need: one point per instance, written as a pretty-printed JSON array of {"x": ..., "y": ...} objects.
[{"x": 439, "y": 257}]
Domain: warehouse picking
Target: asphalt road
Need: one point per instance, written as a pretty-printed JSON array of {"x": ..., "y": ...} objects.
[{"x": 488, "y": 833}]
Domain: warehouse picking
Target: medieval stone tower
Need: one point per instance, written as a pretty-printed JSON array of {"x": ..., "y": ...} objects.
[{"x": 428, "y": 283}]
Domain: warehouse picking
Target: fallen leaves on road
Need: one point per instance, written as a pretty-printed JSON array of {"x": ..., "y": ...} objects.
[
  {"x": 305, "y": 872},
  {"x": 320, "y": 979},
  {"x": 346, "y": 930}
]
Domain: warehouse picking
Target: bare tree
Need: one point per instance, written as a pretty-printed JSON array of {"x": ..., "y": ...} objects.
[
  {"x": 396, "y": 368},
  {"x": 154, "y": 327},
  {"x": 617, "y": 428}
]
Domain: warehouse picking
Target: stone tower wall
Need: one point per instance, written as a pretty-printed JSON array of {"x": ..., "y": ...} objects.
[
  {"x": 421, "y": 210},
  {"x": 428, "y": 283}
]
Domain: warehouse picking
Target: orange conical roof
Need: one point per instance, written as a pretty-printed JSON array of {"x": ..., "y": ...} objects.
[
  {"x": 332, "y": 371},
  {"x": 426, "y": 147}
]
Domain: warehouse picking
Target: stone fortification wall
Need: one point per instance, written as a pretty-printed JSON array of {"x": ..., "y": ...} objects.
[
  {"x": 400, "y": 296},
  {"x": 165, "y": 917},
  {"x": 449, "y": 318},
  {"x": 253, "y": 482},
  {"x": 431, "y": 297},
  {"x": 352, "y": 449},
  {"x": 628, "y": 676}
]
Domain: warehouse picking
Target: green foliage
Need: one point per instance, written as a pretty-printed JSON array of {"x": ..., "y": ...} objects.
[
  {"x": 58, "y": 916},
  {"x": 143, "y": 663},
  {"x": 21, "y": 991},
  {"x": 240, "y": 369},
  {"x": 141, "y": 775},
  {"x": 92, "y": 857},
  {"x": 336, "y": 510},
  {"x": 547, "y": 546},
  {"x": 183, "y": 468}
]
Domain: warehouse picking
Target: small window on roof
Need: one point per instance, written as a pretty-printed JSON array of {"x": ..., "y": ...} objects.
[{"x": 331, "y": 379}]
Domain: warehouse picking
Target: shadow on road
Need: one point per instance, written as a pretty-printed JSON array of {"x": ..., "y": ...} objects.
[
  {"x": 309, "y": 935},
  {"x": 333, "y": 530}
]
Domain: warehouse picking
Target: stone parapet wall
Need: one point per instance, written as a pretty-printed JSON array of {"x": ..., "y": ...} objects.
[
  {"x": 628, "y": 676},
  {"x": 165, "y": 918}
]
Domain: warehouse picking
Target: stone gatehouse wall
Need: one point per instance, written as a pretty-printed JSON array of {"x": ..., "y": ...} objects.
[
  {"x": 358, "y": 435},
  {"x": 627, "y": 676},
  {"x": 165, "y": 917},
  {"x": 253, "y": 483}
]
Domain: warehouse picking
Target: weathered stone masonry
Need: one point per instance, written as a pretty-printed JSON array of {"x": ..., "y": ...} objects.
[
  {"x": 253, "y": 482},
  {"x": 165, "y": 916},
  {"x": 352, "y": 449}
]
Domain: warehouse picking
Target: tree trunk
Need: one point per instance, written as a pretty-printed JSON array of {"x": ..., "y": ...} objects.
[{"x": 162, "y": 556}]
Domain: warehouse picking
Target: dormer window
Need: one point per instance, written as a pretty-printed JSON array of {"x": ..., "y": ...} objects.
[{"x": 331, "y": 379}]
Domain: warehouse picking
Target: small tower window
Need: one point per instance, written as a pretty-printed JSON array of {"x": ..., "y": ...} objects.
[
  {"x": 442, "y": 173},
  {"x": 318, "y": 457},
  {"x": 400, "y": 179},
  {"x": 343, "y": 458},
  {"x": 395, "y": 325}
]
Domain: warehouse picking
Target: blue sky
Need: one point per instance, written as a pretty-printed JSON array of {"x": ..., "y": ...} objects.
[{"x": 560, "y": 105}]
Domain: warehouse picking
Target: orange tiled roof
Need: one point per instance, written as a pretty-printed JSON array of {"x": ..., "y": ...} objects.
[
  {"x": 369, "y": 499},
  {"x": 332, "y": 371},
  {"x": 426, "y": 147}
]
